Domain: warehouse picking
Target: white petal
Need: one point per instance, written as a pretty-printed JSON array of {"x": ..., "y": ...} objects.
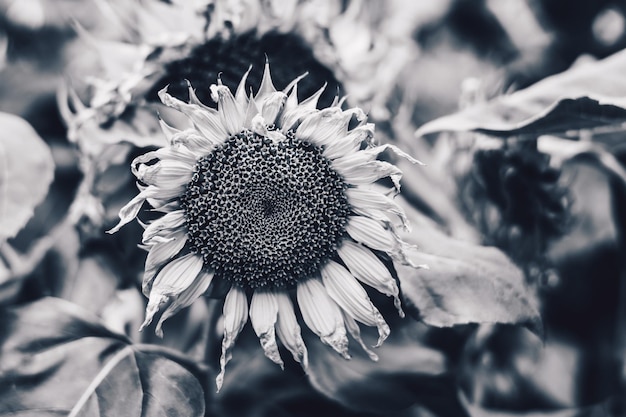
[
  {"x": 367, "y": 268},
  {"x": 241, "y": 94},
  {"x": 272, "y": 106},
  {"x": 349, "y": 144},
  {"x": 162, "y": 252},
  {"x": 374, "y": 235},
  {"x": 364, "y": 201},
  {"x": 322, "y": 315},
  {"x": 231, "y": 114},
  {"x": 355, "y": 332},
  {"x": 131, "y": 209},
  {"x": 370, "y": 154},
  {"x": 321, "y": 127},
  {"x": 204, "y": 118},
  {"x": 352, "y": 298},
  {"x": 289, "y": 331},
  {"x": 370, "y": 172},
  {"x": 165, "y": 173},
  {"x": 194, "y": 141},
  {"x": 235, "y": 317},
  {"x": 267, "y": 87},
  {"x": 160, "y": 229},
  {"x": 177, "y": 275},
  {"x": 263, "y": 315},
  {"x": 168, "y": 130},
  {"x": 198, "y": 287}
]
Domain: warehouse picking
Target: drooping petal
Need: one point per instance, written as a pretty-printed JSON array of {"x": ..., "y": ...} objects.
[
  {"x": 289, "y": 331},
  {"x": 344, "y": 289},
  {"x": 355, "y": 332},
  {"x": 370, "y": 154},
  {"x": 161, "y": 229},
  {"x": 177, "y": 275},
  {"x": 198, "y": 287},
  {"x": 263, "y": 315},
  {"x": 235, "y": 317},
  {"x": 231, "y": 114},
  {"x": 375, "y": 236},
  {"x": 322, "y": 315},
  {"x": 367, "y": 268},
  {"x": 322, "y": 126},
  {"x": 162, "y": 252}
]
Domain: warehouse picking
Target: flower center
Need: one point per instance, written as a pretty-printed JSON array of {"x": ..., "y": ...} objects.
[
  {"x": 265, "y": 214},
  {"x": 289, "y": 55}
]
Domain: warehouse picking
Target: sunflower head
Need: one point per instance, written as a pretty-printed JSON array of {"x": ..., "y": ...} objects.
[{"x": 276, "y": 199}]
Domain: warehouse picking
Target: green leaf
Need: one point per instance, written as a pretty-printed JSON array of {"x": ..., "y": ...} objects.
[
  {"x": 464, "y": 282},
  {"x": 59, "y": 360},
  {"x": 586, "y": 96},
  {"x": 26, "y": 171}
]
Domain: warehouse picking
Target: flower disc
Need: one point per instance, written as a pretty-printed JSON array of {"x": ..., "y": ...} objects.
[{"x": 264, "y": 214}]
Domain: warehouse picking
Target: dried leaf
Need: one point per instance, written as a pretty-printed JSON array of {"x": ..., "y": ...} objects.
[
  {"x": 583, "y": 97},
  {"x": 57, "y": 360},
  {"x": 26, "y": 171}
]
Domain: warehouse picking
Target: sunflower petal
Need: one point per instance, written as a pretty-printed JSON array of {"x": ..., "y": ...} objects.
[
  {"x": 367, "y": 268},
  {"x": 344, "y": 289},
  {"x": 229, "y": 110},
  {"x": 263, "y": 315},
  {"x": 289, "y": 331},
  {"x": 235, "y": 317},
  {"x": 322, "y": 315}
]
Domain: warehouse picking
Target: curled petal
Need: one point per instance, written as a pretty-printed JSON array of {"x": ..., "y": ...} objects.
[
  {"x": 374, "y": 235},
  {"x": 204, "y": 118},
  {"x": 365, "y": 202},
  {"x": 168, "y": 130},
  {"x": 344, "y": 289},
  {"x": 321, "y": 127},
  {"x": 162, "y": 252},
  {"x": 161, "y": 229},
  {"x": 193, "y": 141},
  {"x": 322, "y": 315},
  {"x": 228, "y": 108},
  {"x": 235, "y": 317},
  {"x": 165, "y": 173},
  {"x": 367, "y": 268},
  {"x": 272, "y": 106},
  {"x": 288, "y": 330},
  {"x": 198, "y": 287},
  {"x": 350, "y": 143},
  {"x": 355, "y": 332},
  {"x": 263, "y": 315},
  {"x": 177, "y": 275},
  {"x": 371, "y": 172}
]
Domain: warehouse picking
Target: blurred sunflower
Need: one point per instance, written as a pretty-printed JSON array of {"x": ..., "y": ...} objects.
[
  {"x": 169, "y": 43},
  {"x": 270, "y": 196}
]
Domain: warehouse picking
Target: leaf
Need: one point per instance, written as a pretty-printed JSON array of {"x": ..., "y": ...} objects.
[
  {"x": 464, "y": 283},
  {"x": 57, "y": 359},
  {"x": 26, "y": 171},
  {"x": 583, "y": 97}
]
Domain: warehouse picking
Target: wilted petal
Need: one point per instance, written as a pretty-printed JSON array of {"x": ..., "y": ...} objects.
[
  {"x": 162, "y": 252},
  {"x": 367, "y": 268},
  {"x": 198, "y": 287},
  {"x": 230, "y": 112},
  {"x": 272, "y": 106},
  {"x": 322, "y": 315},
  {"x": 161, "y": 229},
  {"x": 204, "y": 118},
  {"x": 321, "y": 127},
  {"x": 350, "y": 143},
  {"x": 364, "y": 201},
  {"x": 288, "y": 329},
  {"x": 177, "y": 275},
  {"x": 370, "y": 172},
  {"x": 355, "y": 332},
  {"x": 263, "y": 315},
  {"x": 165, "y": 173},
  {"x": 235, "y": 317},
  {"x": 344, "y": 289},
  {"x": 375, "y": 236}
]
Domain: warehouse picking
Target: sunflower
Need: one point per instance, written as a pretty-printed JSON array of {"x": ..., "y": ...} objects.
[
  {"x": 157, "y": 43},
  {"x": 275, "y": 199}
]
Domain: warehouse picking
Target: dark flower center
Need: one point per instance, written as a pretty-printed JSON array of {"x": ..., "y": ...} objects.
[
  {"x": 265, "y": 214},
  {"x": 288, "y": 54}
]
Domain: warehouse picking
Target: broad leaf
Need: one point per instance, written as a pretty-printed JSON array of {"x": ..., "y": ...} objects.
[
  {"x": 26, "y": 171},
  {"x": 464, "y": 282},
  {"x": 586, "y": 96},
  {"x": 57, "y": 360}
]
